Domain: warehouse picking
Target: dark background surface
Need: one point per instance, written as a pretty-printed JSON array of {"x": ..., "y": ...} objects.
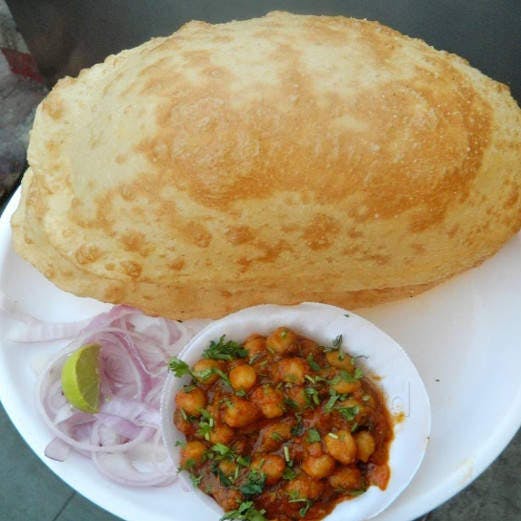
[{"x": 65, "y": 36}]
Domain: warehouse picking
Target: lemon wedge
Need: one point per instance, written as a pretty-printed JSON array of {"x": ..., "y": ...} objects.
[{"x": 80, "y": 379}]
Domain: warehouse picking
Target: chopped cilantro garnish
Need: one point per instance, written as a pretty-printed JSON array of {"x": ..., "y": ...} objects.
[
  {"x": 245, "y": 512},
  {"x": 313, "y": 436},
  {"x": 312, "y": 363},
  {"x": 336, "y": 345},
  {"x": 179, "y": 368},
  {"x": 196, "y": 480},
  {"x": 312, "y": 393},
  {"x": 344, "y": 376},
  {"x": 222, "y": 375},
  {"x": 276, "y": 436},
  {"x": 332, "y": 400},
  {"x": 243, "y": 461},
  {"x": 254, "y": 484},
  {"x": 222, "y": 450},
  {"x": 337, "y": 342},
  {"x": 289, "y": 474},
  {"x": 295, "y": 498},
  {"x": 206, "y": 424},
  {"x": 290, "y": 402},
  {"x": 349, "y": 413},
  {"x": 224, "y": 350},
  {"x": 358, "y": 373},
  {"x": 298, "y": 428}
]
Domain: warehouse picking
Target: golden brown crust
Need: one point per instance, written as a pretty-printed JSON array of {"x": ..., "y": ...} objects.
[{"x": 279, "y": 159}]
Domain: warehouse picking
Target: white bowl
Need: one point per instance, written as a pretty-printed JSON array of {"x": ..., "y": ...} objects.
[{"x": 402, "y": 387}]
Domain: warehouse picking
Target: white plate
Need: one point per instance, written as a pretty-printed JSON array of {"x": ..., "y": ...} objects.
[{"x": 463, "y": 336}]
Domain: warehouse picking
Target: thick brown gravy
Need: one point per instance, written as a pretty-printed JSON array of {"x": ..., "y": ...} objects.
[{"x": 281, "y": 428}]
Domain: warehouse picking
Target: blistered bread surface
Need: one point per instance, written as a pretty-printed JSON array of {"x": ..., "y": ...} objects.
[{"x": 279, "y": 159}]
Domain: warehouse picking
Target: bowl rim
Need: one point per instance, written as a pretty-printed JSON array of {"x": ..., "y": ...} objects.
[{"x": 327, "y": 316}]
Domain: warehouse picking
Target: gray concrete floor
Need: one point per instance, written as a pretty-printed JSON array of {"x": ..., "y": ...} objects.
[{"x": 29, "y": 491}]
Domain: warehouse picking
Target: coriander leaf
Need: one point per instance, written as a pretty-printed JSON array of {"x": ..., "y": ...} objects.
[
  {"x": 179, "y": 368},
  {"x": 349, "y": 413},
  {"x": 254, "y": 484},
  {"x": 312, "y": 363},
  {"x": 222, "y": 450},
  {"x": 245, "y": 512},
  {"x": 295, "y": 498},
  {"x": 196, "y": 480},
  {"x": 243, "y": 461},
  {"x": 298, "y": 428},
  {"x": 331, "y": 402},
  {"x": 337, "y": 342},
  {"x": 289, "y": 474},
  {"x": 313, "y": 394},
  {"x": 206, "y": 424},
  {"x": 223, "y": 478},
  {"x": 224, "y": 350},
  {"x": 313, "y": 436},
  {"x": 358, "y": 373},
  {"x": 290, "y": 402},
  {"x": 222, "y": 375}
]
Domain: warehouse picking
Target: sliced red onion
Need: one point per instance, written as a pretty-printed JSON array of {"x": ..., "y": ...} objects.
[
  {"x": 57, "y": 450},
  {"x": 123, "y": 439}
]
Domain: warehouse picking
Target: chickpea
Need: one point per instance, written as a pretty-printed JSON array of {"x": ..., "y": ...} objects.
[
  {"x": 297, "y": 394},
  {"x": 228, "y": 498},
  {"x": 243, "y": 377},
  {"x": 347, "y": 478},
  {"x": 305, "y": 487},
  {"x": 342, "y": 446},
  {"x": 314, "y": 449},
  {"x": 181, "y": 423},
  {"x": 203, "y": 371},
  {"x": 227, "y": 467},
  {"x": 309, "y": 347},
  {"x": 365, "y": 444},
  {"x": 191, "y": 401},
  {"x": 221, "y": 434},
  {"x": 340, "y": 360},
  {"x": 255, "y": 344},
  {"x": 282, "y": 340},
  {"x": 272, "y": 436},
  {"x": 192, "y": 454},
  {"x": 271, "y": 464},
  {"x": 270, "y": 401},
  {"x": 291, "y": 370},
  {"x": 318, "y": 467},
  {"x": 353, "y": 404},
  {"x": 345, "y": 386},
  {"x": 240, "y": 412}
]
